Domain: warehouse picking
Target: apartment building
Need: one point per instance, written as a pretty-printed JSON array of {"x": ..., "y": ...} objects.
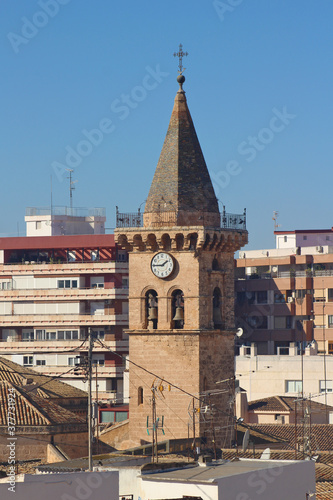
[
  {"x": 285, "y": 295},
  {"x": 54, "y": 290}
]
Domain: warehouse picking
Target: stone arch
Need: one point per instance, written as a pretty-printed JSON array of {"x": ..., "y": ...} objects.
[
  {"x": 192, "y": 240},
  {"x": 207, "y": 241},
  {"x": 177, "y": 309},
  {"x": 137, "y": 242},
  {"x": 214, "y": 242},
  {"x": 179, "y": 238},
  {"x": 215, "y": 263},
  {"x": 166, "y": 241},
  {"x": 151, "y": 309},
  {"x": 151, "y": 242}
]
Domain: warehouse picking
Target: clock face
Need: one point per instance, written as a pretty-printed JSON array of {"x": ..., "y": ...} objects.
[{"x": 162, "y": 265}]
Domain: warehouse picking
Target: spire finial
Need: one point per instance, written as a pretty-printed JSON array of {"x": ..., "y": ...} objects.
[
  {"x": 181, "y": 69},
  {"x": 180, "y": 54}
]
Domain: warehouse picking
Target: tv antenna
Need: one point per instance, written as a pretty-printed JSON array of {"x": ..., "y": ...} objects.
[
  {"x": 275, "y": 217},
  {"x": 71, "y": 187}
]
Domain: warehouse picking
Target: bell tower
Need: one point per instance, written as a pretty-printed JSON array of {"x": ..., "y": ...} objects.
[{"x": 181, "y": 296}]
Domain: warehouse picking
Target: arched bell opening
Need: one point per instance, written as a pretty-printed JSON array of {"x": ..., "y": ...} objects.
[
  {"x": 177, "y": 309},
  {"x": 217, "y": 309},
  {"x": 151, "y": 310}
]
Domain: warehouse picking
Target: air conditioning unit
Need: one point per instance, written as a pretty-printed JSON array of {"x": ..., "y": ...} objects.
[
  {"x": 319, "y": 249},
  {"x": 290, "y": 299}
]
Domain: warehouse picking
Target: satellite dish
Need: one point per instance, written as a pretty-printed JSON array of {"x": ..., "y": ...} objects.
[
  {"x": 246, "y": 439},
  {"x": 239, "y": 332},
  {"x": 266, "y": 454},
  {"x": 274, "y": 269}
]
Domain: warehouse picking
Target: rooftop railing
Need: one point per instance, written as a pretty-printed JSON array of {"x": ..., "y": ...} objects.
[{"x": 68, "y": 211}]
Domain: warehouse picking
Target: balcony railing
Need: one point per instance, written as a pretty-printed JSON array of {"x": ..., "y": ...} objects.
[{"x": 135, "y": 219}]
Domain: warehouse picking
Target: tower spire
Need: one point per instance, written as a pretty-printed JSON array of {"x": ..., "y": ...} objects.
[{"x": 181, "y": 193}]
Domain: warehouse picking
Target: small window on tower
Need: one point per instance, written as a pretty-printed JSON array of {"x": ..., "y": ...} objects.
[{"x": 140, "y": 396}]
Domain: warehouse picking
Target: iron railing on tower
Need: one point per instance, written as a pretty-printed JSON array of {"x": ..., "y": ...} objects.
[{"x": 135, "y": 219}]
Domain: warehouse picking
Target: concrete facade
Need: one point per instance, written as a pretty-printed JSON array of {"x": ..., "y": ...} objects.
[{"x": 53, "y": 291}]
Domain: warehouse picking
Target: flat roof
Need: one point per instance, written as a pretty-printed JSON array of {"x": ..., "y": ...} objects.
[
  {"x": 301, "y": 231},
  {"x": 209, "y": 473},
  {"x": 45, "y": 242}
]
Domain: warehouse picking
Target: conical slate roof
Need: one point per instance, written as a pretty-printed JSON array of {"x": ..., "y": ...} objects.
[{"x": 181, "y": 185}]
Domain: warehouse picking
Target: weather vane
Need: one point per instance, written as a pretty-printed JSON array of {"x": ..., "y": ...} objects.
[{"x": 180, "y": 54}]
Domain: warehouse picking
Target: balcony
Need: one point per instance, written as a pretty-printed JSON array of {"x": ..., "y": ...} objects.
[
  {"x": 54, "y": 294},
  {"x": 62, "y": 320}
]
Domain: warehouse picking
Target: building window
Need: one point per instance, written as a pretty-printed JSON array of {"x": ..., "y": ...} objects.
[
  {"x": 28, "y": 360},
  {"x": 325, "y": 383},
  {"x": 40, "y": 362},
  {"x": 38, "y": 224},
  {"x": 140, "y": 396},
  {"x": 330, "y": 348},
  {"x": 282, "y": 322},
  {"x": 330, "y": 321},
  {"x": 99, "y": 362},
  {"x": 259, "y": 322},
  {"x": 327, "y": 238},
  {"x": 67, "y": 283},
  {"x": 285, "y": 239},
  {"x": 27, "y": 336},
  {"x": 294, "y": 386},
  {"x": 262, "y": 297},
  {"x": 279, "y": 298},
  {"x": 305, "y": 238}
]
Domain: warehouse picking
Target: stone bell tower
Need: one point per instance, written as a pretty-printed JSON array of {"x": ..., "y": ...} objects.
[{"x": 181, "y": 296}]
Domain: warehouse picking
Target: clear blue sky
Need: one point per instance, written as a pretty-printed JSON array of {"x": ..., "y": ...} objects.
[{"x": 249, "y": 62}]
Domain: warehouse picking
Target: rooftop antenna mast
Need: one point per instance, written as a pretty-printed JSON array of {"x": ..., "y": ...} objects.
[
  {"x": 275, "y": 217},
  {"x": 71, "y": 188}
]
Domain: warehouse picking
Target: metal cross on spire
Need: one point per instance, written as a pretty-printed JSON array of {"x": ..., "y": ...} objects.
[{"x": 180, "y": 54}]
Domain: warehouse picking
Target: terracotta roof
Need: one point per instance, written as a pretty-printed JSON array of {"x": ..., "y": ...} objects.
[
  {"x": 46, "y": 387},
  {"x": 280, "y": 404},
  {"x": 321, "y": 434},
  {"x": 181, "y": 182},
  {"x": 33, "y": 410}
]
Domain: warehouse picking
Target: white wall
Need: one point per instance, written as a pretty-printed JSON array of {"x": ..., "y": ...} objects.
[
  {"x": 290, "y": 243},
  {"x": 75, "y": 485},
  {"x": 264, "y": 376},
  {"x": 273, "y": 480}
]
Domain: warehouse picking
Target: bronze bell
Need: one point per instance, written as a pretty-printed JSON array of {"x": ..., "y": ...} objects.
[
  {"x": 179, "y": 315},
  {"x": 217, "y": 317},
  {"x": 152, "y": 313}
]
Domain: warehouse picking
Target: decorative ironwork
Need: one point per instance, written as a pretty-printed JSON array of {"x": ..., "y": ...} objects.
[
  {"x": 180, "y": 55},
  {"x": 233, "y": 221},
  {"x": 129, "y": 220},
  {"x": 228, "y": 221}
]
